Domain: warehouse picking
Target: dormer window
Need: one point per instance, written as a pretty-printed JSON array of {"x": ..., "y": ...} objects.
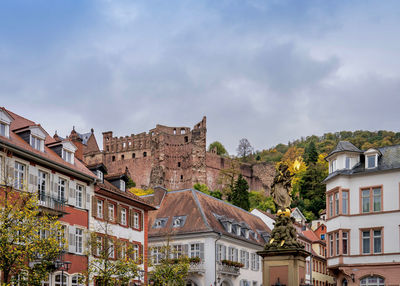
[
  {"x": 238, "y": 230},
  {"x": 68, "y": 156},
  {"x": 160, "y": 222},
  {"x": 122, "y": 185},
  {"x": 4, "y": 129},
  {"x": 178, "y": 221},
  {"x": 37, "y": 143},
  {"x": 371, "y": 161},
  {"x": 246, "y": 233},
  {"x": 347, "y": 163},
  {"x": 229, "y": 227},
  {"x": 100, "y": 175},
  {"x": 333, "y": 165}
]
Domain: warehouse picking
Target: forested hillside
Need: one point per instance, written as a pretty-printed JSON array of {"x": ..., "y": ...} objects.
[{"x": 308, "y": 154}]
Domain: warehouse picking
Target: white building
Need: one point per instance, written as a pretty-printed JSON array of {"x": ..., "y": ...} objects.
[
  {"x": 363, "y": 215},
  {"x": 201, "y": 226}
]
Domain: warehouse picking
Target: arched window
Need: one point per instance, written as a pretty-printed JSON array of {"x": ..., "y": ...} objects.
[
  {"x": 122, "y": 157},
  {"x": 77, "y": 280},
  {"x": 372, "y": 281},
  {"x": 133, "y": 155},
  {"x": 64, "y": 281}
]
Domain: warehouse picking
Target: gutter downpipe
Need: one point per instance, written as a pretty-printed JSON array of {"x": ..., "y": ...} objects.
[{"x": 215, "y": 262}]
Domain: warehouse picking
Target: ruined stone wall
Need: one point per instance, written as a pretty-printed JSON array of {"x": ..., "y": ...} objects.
[{"x": 172, "y": 157}]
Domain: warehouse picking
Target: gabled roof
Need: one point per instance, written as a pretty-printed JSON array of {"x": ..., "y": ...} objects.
[
  {"x": 344, "y": 146},
  {"x": 389, "y": 160},
  {"x": 202, "y": 215},
  {"x": 91, "y": 144},
  {"x": 23, "y": 148}
]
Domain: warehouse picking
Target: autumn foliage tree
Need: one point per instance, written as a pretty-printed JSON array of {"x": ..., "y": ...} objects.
[{"x": 30, "y": 239}]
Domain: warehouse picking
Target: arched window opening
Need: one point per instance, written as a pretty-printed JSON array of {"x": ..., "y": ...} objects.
[
  {"x": 372, "y": 281},
  {"x": 133, "y": 155},
  {"x": 64, "y": 281}
]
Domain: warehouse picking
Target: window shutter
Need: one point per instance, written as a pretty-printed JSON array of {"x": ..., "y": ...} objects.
[
  {"x": 140, "y": 254},
  {"x": 223, "y": 252},
  {"x": 230, "y": 253},
  {"x": 71, "y": 241},
  {"x": 185, "y": 249},
  {"x": 130, "y": 220},
  {"x": 105, "y": 211},
  {"x": 92, "y": 243},
  {"x": 72, "y": 194},
  {"x": 217, "y": 252},
  {"x": 54, "y": 190},
  {"x": 94, "y": 206},
  {"x": 201, "y": 251},
  {"x": 10, "y": 175},
  {"x": 66, "y": 194},
  {"x": 86, "y": 197},
  {"x": 140, "y": 221},
  {"x": 118, "y": 213},
  {"x": 235, "y": 256}
]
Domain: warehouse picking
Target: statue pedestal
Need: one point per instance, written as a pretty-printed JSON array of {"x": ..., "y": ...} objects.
[{"x": 289, "y": 265}]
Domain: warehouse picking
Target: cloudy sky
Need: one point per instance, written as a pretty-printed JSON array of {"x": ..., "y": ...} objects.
[{"x": 270, "y": 71}]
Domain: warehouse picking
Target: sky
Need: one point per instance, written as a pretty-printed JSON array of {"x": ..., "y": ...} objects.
[{"x": 270, "y": 71}]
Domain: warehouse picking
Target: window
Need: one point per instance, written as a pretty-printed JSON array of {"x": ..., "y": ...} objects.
[
  {"x": 331, "y": 205},
  {"x": 156, "y": 253},
  {"x": 221, "y": 252},
  {"x": 19, "y": 175},
  {"x": 179, "y": 164},
  {"x": 113, "y": 158},
  {"x": 181, "y": 178},
  {"x": 111, "y": 213},
  {"x": 194, "y": 250},
  {"x": 178, "y": 251},
  {"x": 371, "y": 199},
  {"x": 3, "y": 129},
  {"x": 133, "y": 155},
  {"x": 135, "y": 252},
  {"x": 136, "y": 220},
  {"x": 100, "y": 175},
  {"x": 46, "y": 283},
  {"x": 336, "y": 203},
  {"x": 67, "y": 156},
  {"x": 238, "y": 230},
  {"x": 123, "y": 216},
  {"x": 347, "y": 163},
  {"x": 99, "y": 244},
  {"x": 79, "y": 194},
  {"x": 37, "y": 143},
  {"x": 345, "y": 202},
  {"x": 61, "y": 237},
  {"x": 345, "y": 242},
  {"x": 333, "y": 165},
  {"x": 79, "y": 240},
  {"x": 366, "y": 242},
  {"x": 255, "y": 262},
  {"x": 42, "y": 178},
  {"x": 122, "y": 157},
  {"x": 372, "y": 281},
  {"x": 75, "y": 281},
  {"x": 111, "y": 249},
  {"x": 186, "y": 139},
  {"x": 337, "y": 242},
  {"x": 100, "y": 208},
  {"x": 371, "y": 160},
  {"x": 331, "y": 245},
  {"x": 144, "y": 154},
  {"x": 61, "y": 189},
  {"x": 377, "y": 201},
  {"x": 229, "y": 226},
  {"x": 377, "y": 241},
  {"x": 64, "y": 281},
  {"x": 122, "y": 185}
]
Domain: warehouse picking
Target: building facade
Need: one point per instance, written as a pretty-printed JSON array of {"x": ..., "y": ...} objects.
[
  {"x": 211, "y": 229},
  {"x": 34, "y": 161},
  {"x": 363, "y": 211}
]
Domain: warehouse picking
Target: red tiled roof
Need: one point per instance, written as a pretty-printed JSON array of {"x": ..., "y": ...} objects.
[
  {"x": 91, "y": 145},
  {"x": 48, "y": 154},
  {"x": 311, "y": 235},
  {"x": 200, "y": 210},
  {"x": 113, "y": 189}
]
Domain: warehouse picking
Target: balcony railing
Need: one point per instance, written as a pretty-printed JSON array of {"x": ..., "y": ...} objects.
[
  {"x": 50, "y": 202},
  {"x": 228, "y": 270},
  {"x": 197, "y": 267}
]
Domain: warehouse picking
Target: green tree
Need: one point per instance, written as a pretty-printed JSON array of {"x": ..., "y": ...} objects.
[
  {"x": 219, "y": 147},
  {"x": 167, "y": 271},
  {"x": 310, "y": 153},
  {"x": 29, "y": 237},
  {"x": 112, "y": 262},
  {"x": 202, "y": 188},
  {"x": 240, "y": 195},
  {"x": 130, "y": 184},
  {"x": 267, "y": 204}
]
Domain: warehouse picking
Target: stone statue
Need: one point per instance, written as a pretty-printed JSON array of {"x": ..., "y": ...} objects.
[
  {"x": 284, "y": 235},
  {"x": 281, "y": 187}
]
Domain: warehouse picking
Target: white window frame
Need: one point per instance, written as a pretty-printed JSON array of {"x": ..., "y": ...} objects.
[
  {"x": 6, "y": 129},
  {"x": 194, "y": 250},
  {"x": 79, "y": 196},
  {"x": 345, "y": 202},
  {"x": 75, "y": 280},
  {"x": 111, "y": 212},
  {"x": 36, "y": 143},
  {"x": 68, "y": 156},
  {"x": 42, "y": 186},
  {"x": 79, "y": 240},
  {"x": 62, "y": 282},
  {"x": 100, "y": 175},
  {"x": 123, "y": 216},
  {"x": 111, "y": 248},
  {"x": 375, "y": 161},
  {"x": 62, "y": 184},
  {"x": 136, "y": 223},
  {"x": 347, "y": 162},
  {"x": 100, "y": 208},
  {"x": 122, "y": 185},
  {"x": 19, "y": 175}
]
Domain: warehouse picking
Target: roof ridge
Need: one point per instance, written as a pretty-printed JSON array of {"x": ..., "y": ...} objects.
[{"x": 196, "y": 199}]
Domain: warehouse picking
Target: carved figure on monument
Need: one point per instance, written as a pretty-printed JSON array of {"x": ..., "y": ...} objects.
[{"x": 284, "y": 234}]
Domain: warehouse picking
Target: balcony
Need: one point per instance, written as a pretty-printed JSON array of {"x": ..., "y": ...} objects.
[
  {"x": 51, "y": 203},
  {"x": 228, "y": 270},
  {"x": 197, "y": 268}
]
